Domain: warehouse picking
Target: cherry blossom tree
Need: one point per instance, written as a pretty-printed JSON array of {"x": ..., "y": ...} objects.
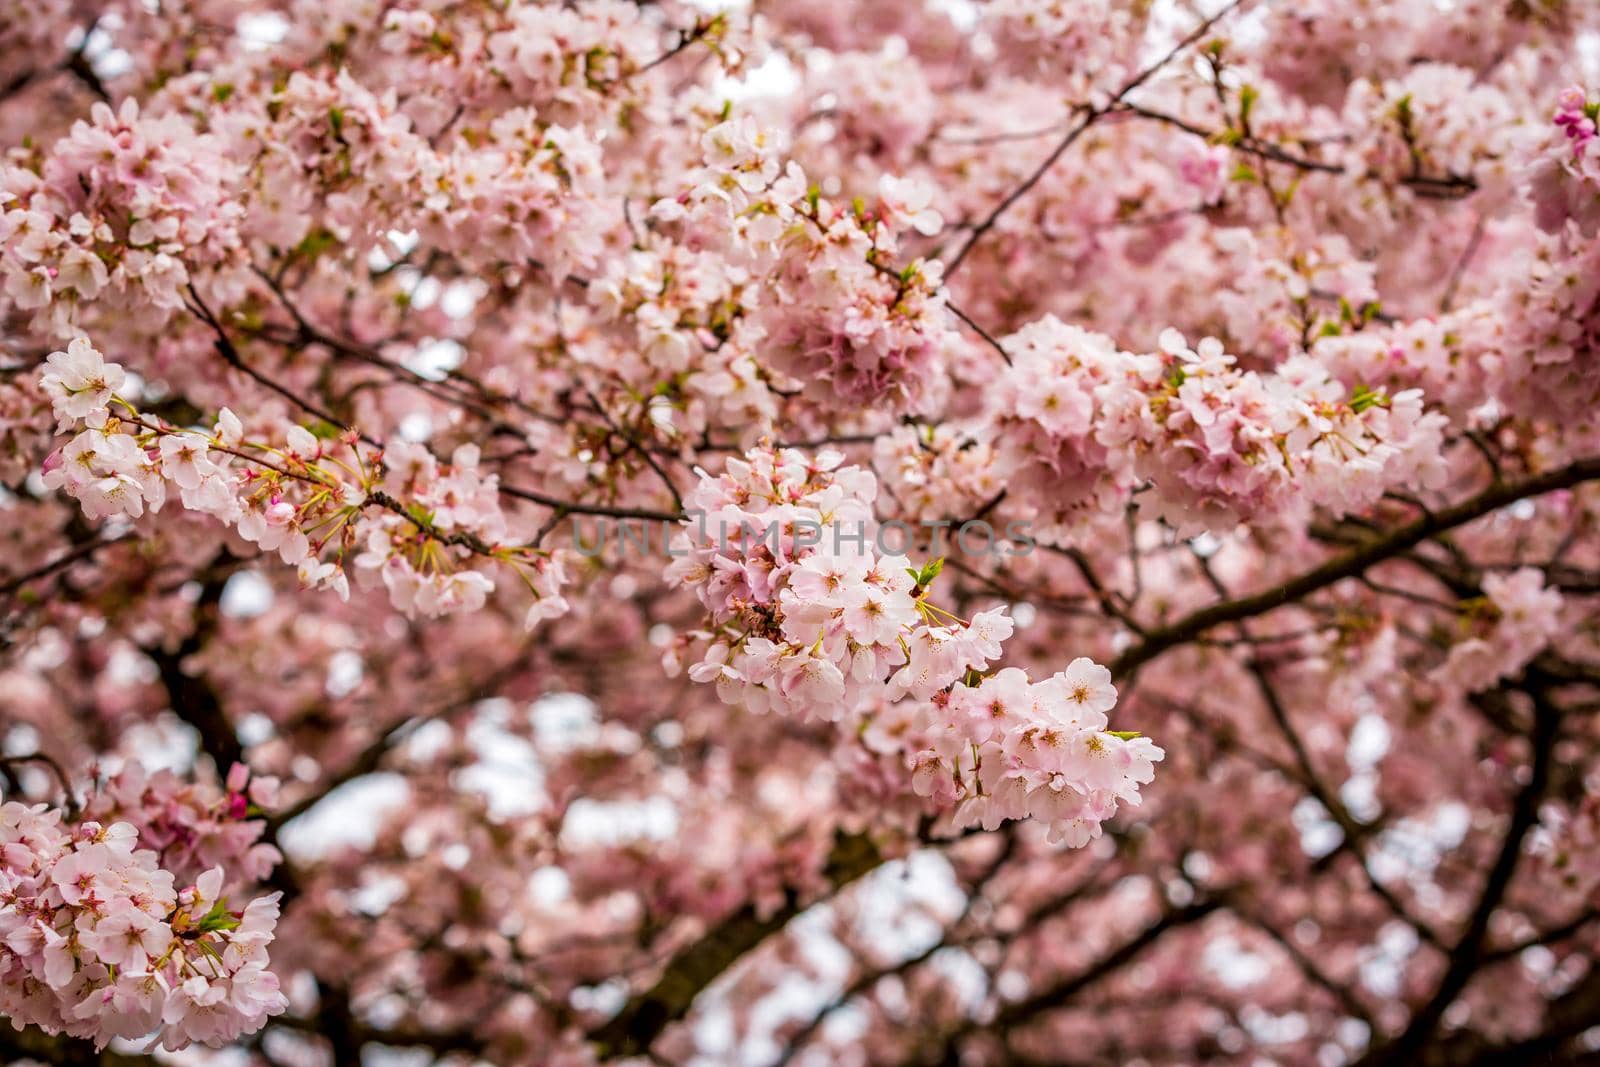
[{"x": 916, "y": 532}]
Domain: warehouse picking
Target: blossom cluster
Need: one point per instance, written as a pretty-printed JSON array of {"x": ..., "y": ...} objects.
[
  {"x": 1225, "y": 445},
  {"x": 809, "y": 619},
  {"x": 1063, "y": 418},
  {"x": 1079, "y": 425},
  {"x": 1442, "y": 356},
  {"x": 1529, "y": 344},
  {"x": 562, "y": 58},
  {"x": 119, "y": 212},
  {"x": 1513, "y": 622},
  {"x": 934, "y": 472},
  {"x": 1073, "y": 44},
  {"x": 529, "y": 192},
  {"x": 837, "y": 319},
  {"x": 813, "y": 623},
  {"x": 100, "y": 941},
  {"x": 416, "y": 525},
  {"x": 1433, "y": 121},
  {"x": 1283, "y": 292},
  {"x": 675, "y": 310},
  {"x": 1012, "y": 748},
  {"x": 193, "y": 826},
  {"x": 1564, "y": 177},
  {"x": 1543, "y": 349},
  {"x": 1308, "y": 42},
  {"x": 330, "y": 158}
]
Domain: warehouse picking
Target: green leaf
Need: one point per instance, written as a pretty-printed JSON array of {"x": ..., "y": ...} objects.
[
  {"x": 1363, "y": 398},
  {"x": 1248, "y": 95},
  {"x": 1125, "y": 735},
  {"x": 928, "y": 573},
  {"x": 1402, "y": 112},
  {"x": 219, "y": 918},
  {"x": 315, "y": 243}
]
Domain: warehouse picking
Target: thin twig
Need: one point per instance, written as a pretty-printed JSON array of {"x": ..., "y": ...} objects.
[{"x": 1090, "y": 117}]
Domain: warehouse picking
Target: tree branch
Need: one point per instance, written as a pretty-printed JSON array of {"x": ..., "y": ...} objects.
[
  {"x": 634, "y": 1029},
  {"x": 1467, "y": 956},
  {"x": 1089, "y": 118},
  {"x": 1353, "y": 563},
  {"x": 1058, "y": 994}
]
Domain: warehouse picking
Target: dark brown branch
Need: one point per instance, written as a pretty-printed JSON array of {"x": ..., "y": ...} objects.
[
  {"x": 70, "y": 803},
  {"x": 1342, "y": 993},
  {"x": 1058, "y": 994},
  {"x": 192, "y": 697},
  {"x": 79, "y": 67},
  {"x": 370, "y": 758},
  {"x": 1438, "y": 187},
  {"x": 635, "y": 1028},
  {"x": 230, "y": 354},
  {"x": 1353, "y": 563},
  {"x": 1467, "y": 956},
  {"x": 67, "y": 559},
  {"x": 572, "y": 508},
  {"x": 1107, "y": 599},
  {"x": 988, "y": 338}
]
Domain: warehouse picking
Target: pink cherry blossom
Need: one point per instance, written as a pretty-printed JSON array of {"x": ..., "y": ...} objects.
[{"x": 1034, "y": 531}]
